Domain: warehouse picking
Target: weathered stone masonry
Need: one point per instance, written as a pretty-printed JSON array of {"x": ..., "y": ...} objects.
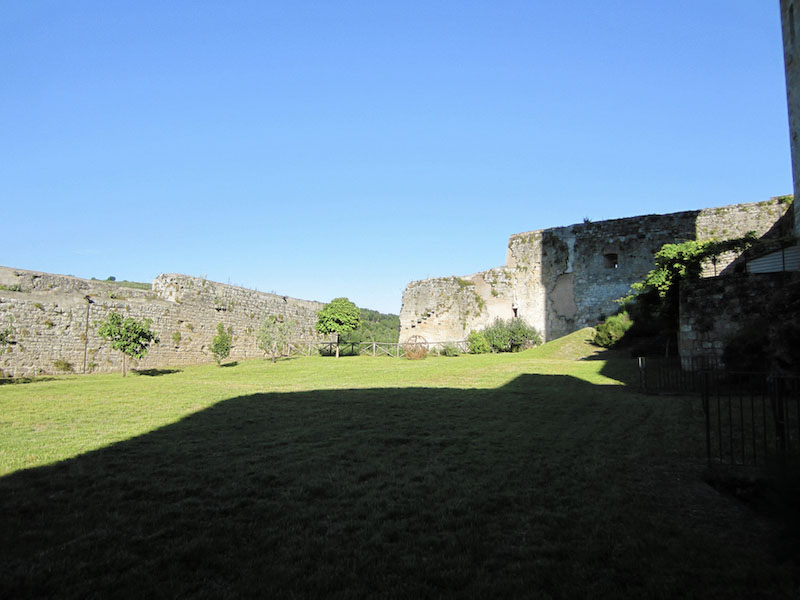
[
  {"x": 48, "y": 316},
  {"x": 565, "y": 278},
  {"x": 713, "y": 312},
  {"x": 790, "y": 25}
]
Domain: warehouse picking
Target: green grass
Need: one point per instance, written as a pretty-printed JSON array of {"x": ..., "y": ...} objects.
[
  {"x": 139, "y": 285},
  {"x": 479, "y": 476},
  {"x": 575, "y": 346}
]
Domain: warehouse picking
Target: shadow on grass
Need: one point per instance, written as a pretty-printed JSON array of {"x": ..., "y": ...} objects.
[
  {"x": 619, "y": 366},
  {"x": 227, "y": 365},
  {"x": 156, "y": 372},
  {"x": 23, "y": 380},
  {"x": 547, "y": 486}
]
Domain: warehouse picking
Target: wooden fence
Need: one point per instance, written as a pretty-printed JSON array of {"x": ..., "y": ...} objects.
[{"x": 392, "y": 349}]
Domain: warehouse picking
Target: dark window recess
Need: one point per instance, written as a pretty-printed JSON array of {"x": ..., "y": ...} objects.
[
  {"x": 791, "y": 23},
  {"x": 611, "y": 260}
]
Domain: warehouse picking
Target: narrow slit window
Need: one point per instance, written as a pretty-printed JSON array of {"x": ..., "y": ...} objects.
[{"x": 611, "y": 260}]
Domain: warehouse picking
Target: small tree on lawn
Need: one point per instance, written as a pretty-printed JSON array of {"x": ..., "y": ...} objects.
[
  {"x": 129, "y": 336},
  {"x": 221, "y": 344},
  {"x": 273, "y": 335},
  {"x": 340, "y": 316}
]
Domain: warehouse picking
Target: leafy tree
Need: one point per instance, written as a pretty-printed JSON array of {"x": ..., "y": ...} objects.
[
  {"x": 221, "y": 344},
  {"x": 274, "y": 334},
  {"x": 340, "y": 316},
  {"x": 129, "y": 336}
]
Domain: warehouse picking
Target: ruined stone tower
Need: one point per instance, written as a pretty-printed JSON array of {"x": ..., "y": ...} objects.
[{"x": 562, "y": 279}]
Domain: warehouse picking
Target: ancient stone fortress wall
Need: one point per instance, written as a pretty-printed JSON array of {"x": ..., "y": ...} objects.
[
  {"x": 56, "y": 317},
  {"x": 714, "y": 311},
  {"x": 565, "y": 278}
]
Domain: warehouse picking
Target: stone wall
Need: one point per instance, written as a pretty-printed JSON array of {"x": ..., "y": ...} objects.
[
  {"x": 790, "y": 20},
  {"x": 714, "y": 311},
  {"x": 55, "y": 318},
  {"x": 562, "y": 279}
]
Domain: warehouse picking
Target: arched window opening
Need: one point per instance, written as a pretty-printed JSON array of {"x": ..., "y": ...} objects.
[{"x": 611, "y": 260}]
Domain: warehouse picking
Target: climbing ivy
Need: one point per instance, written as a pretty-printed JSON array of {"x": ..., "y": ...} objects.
[
  {"x": 653, "y": 303},
  {"x": 674, "y": 262}
]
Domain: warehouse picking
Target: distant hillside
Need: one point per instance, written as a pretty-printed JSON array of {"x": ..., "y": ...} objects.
[{"x": 375, "y": 326}]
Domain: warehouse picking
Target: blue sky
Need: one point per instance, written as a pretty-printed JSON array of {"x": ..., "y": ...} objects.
[{"x": 324, "y": 149}]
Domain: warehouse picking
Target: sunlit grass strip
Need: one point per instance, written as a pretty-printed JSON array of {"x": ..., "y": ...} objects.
[{"x": 61, "y": 417}]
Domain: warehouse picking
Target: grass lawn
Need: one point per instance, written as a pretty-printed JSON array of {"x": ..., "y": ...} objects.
[{"x": 524, "y": 475}]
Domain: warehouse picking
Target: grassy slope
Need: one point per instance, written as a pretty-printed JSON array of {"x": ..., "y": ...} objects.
[
  {"x": 472, "y": 476},
  {"x": 575, "y": 346}
]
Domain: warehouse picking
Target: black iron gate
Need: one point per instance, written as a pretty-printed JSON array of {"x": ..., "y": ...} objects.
[{"x": 751, "y": 419}]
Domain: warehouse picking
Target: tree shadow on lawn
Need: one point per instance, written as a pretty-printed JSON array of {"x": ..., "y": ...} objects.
[
  {"x": 618, "y": 365},
  {"x": 23, "y": 380},
  {"x": 156, "y": 372},
  {"x": 548, "y": 486}
]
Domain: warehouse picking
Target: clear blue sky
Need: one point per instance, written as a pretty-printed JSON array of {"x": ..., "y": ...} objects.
[{"x": 324, "y": 149}]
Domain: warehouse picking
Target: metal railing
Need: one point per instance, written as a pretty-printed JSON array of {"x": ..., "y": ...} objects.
[
  {"x": 674, "y": 375},
  {"x": 751, "y": 419}
]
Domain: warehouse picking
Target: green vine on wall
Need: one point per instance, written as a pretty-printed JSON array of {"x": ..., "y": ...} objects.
[{"x": 674, "y": 262}]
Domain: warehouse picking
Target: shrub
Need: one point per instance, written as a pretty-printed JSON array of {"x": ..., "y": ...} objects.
[
  {"x": 498, "y": 336},
  {"x": 512, "y": 335},
  {"x": 612, "y": 329},
  {"x": 176, "y": 338},
  {"x": 415, "y": 351},
  {"x": 478, "y": 344},
  {"x": 522, "y": 335},
  {"x": 63, "y": 365},
  {"x": 450, "y": 350}
]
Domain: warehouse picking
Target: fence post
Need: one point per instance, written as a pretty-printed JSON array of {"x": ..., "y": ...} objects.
[
  {"x": 706, "y": 402},
  {"x": 780, "y": 420},
  {"x": 642, "y": 374}
]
